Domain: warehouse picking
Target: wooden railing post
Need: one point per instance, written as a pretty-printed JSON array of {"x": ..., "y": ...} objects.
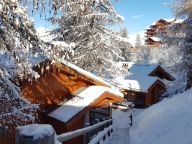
[
  {"x": 35, "y": 134},
  {"x": 86, "y": 135}
]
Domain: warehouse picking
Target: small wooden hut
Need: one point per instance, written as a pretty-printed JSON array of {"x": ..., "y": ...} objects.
[{"x": 145, "y": 85}]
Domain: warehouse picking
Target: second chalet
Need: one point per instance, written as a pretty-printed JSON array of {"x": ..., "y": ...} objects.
[{"x": 144, "y": 85}]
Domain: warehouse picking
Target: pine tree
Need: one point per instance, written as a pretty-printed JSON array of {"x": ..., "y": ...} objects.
[
  {"x": 125, "y": 47},
  {"x": 86, "y": 24},
  {"x": 17, "y": 42}
]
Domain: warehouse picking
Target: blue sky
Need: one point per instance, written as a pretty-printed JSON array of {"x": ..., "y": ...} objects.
[{"x": 139, "y": 14}]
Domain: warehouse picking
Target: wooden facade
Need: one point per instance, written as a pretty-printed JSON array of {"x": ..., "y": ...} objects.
[
  {"x": 58, "y": 84},
  {"x": 152, "y": 95},
  {"x": 162, "y": 74},
  {"x": 145, "y": 99},
  {"x": 158, "y": 26}
]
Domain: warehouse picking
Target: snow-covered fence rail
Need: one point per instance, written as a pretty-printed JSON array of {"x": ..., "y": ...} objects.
[
  {"x": 100, "y": 126},
  {"x": 180, "y": 90},
  {"x": 41, "y": 133}
]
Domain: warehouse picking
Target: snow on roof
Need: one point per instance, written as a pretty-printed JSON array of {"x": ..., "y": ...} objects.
[
  {"x": 83, "y": 72},
  {"x": 138, "y": 69},
  {"x": 169, "y": 121},
  {"x": 170, "y": 20},
  {"x": 81, "y": 101},
  {"x": 179, "y": 21},
  {"x": 141, "y": 84},
  {"x": 155, "y": 38},
  {"x": 36, "y": 59},
  {"x": 139, "y": 79}
]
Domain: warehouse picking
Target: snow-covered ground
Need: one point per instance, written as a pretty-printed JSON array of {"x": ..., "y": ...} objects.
[
  {"x": 169, "y": 121},
  {"x": 121, "y": 126}
]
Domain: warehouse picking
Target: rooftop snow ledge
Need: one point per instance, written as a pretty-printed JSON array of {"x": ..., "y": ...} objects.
[
  {"x": 81, "y": 101},
  {"x": 83, "y": 72}
]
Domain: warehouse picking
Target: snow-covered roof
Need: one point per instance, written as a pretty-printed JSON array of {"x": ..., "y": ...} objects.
[
  {"x": 155, "y": 38},
  {"x": 168, "y": 20},
  {"x": 34, "y": 60},
  {"x": 139, "y": 79},
  {"x": 138, "y": 69},
  {"x": 141, "y": 84},
  {"x": 86, "y": 73},
  {"x": 72, "y": 107}
]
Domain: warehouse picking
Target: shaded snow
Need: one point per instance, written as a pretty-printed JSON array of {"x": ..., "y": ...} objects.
[{"x": 169, "y": 121}]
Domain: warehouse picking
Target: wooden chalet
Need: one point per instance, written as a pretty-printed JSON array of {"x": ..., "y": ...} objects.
[
  {"x": 150, "y": 32},
  {"x": 157, "y": 26},
  {"x": 162, "y": 23},
  {"x": 153, "y": 42},
  {"x": 145, "y": 85},
  {"x": 69, "y": 97}
]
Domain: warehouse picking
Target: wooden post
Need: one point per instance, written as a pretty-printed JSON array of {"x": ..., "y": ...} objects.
[
  {"x": 86, "y": 135},
  {"x": 110, "y": 109},
  {"x": 35, "y": 134}
]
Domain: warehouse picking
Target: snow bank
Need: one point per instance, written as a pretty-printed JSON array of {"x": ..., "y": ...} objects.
[
  {"x": 169, "y": 121},
  {"x": 36, "y": 131}
]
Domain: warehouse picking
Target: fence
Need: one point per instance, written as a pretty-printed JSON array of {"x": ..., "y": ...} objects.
[
  {"x": 40, "y": 134},
  {"x": 180, "y": 90}
]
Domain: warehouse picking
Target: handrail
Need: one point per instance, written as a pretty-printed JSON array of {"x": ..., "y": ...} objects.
[
  {"x": 101, "y": 135},
  {"x": 69, "y": 135}
]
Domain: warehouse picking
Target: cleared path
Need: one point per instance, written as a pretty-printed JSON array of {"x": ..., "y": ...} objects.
[{"x": 121, "y": 128}]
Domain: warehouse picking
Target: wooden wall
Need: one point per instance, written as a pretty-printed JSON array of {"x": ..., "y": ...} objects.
[
  {"x": 53, "y": 86},
  {"x": 154, "y": 94},
  {"x": 145, "y": 99}
]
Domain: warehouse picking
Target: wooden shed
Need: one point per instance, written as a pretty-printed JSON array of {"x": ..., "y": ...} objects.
[
  {"x": 145, "y": 85},
  {"x": 68, "y": 95}
]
